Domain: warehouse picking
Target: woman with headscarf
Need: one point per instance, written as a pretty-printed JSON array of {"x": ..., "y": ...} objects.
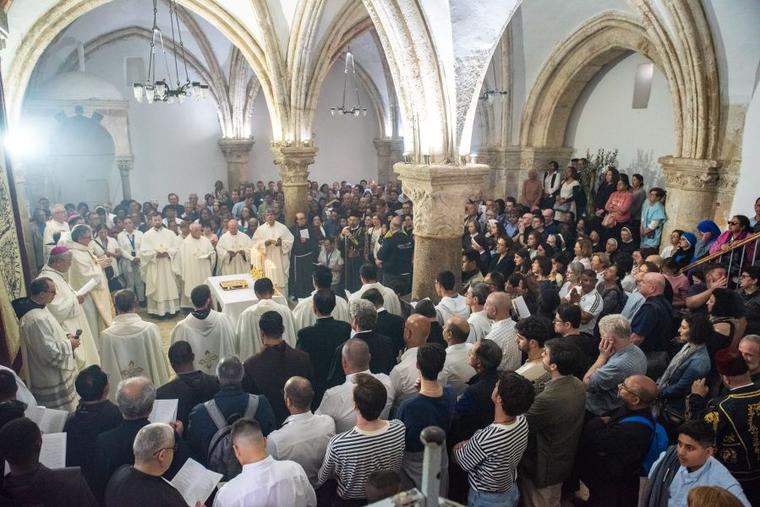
[
  {"x": 627, "y": 244},
  {"x": 531, "y": 191},
  {"x": 707, "y": 232},
  {"x": 738, "y": 229},
  {"x": 685, "y": 251}
]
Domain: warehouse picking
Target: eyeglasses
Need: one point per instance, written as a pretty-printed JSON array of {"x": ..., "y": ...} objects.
[
  {"x": 733, "y": 223},
  {"x": 626, "y": 388},
  {"x": 172, "y": 448}
]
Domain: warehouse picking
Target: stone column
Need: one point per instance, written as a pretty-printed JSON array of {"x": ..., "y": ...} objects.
[
  {"x": 294, "y": 162},
  {"x": 692, "y": 185},
  {"x": 494, "y": 184},
  {"x": 236, "y": 153},
  {"x": 439, "y": 193},
  {"x": 125, "y": 166},
  {"x": 518, "y": 160},
  {"x": 389, "y": 151}
]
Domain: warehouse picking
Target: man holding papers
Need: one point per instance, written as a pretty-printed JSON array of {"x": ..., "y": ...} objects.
[
  {"x": 196, "y": 258},
  {"x": 210, "y": 334},
  {"x": 263, "y": 482},
  {"x": 30, "y": 482},
  {"x": 157, "y": 251},
  {"x": 132, "y": 347},
  {"x": 67, "y": 307},
  {"x": 273, "y": 241},
  {"x": 233, "y": 250},
  {"x": 47, "y": 350},
  {"x": 142, "y": 483}
]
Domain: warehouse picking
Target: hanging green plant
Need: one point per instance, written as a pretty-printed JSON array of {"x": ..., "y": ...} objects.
[{"x": 589, "y": 175}]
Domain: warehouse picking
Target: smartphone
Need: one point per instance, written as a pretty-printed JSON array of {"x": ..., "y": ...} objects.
[{"x": 78, "y": 333}]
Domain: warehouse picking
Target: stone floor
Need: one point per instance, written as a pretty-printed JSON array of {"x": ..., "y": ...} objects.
[{"x": 165, "y": 326}]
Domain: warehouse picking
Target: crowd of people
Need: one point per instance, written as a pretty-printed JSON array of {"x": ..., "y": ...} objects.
[{"x": 577, "y": 357}]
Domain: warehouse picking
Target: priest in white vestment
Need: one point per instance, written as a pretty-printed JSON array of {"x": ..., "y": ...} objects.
[
  {"x": 56, "y": 224},
  {"x": 47, "y": 350},
  {"x": 248, "y": 332},
  {"x": 129, "y": 241},
  {"x": 273, "y": 241},
  {"x": 196, "y": 258},
  {"x": 85, "y": 267},
  {"x": 158, "y": 248},
  {"x": 233, "y": 250},
  {"x": 368, "y": 276},
  {"x": 211, "y": 334},
  {"x": 303, "y": 313},
  {"x": 131, "y": 347},
  {"x": 67, "y": 308}
]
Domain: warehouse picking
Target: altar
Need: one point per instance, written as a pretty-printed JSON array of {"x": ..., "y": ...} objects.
[{"x": 233, "y": 302}]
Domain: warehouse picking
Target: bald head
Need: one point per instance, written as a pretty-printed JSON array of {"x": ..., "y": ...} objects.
[
  {"x": 654, "y": 285},
  {"x": 232, "y": 226},
  {"x": 655, "y": 259},
  {"x": 416, "y": 330},
  {"x": 456, "y": 330},
  {"x": 195, "y": 230},
  {"x": 355, "y": 356},
  {"x": 498, "y": 305},
  {"x": 299, "y": 393},
  {"x": 644, "y": 388}
]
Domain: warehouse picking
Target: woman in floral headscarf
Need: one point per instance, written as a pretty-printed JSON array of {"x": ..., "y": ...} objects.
[{"x": 707, "y": 232}]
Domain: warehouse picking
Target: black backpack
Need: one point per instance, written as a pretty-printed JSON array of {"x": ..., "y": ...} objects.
[{"x": 221, "y": 457}]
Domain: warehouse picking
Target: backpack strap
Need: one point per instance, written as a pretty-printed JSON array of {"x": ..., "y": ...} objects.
[
  {"x": 215, "y": 414},
  {"x": 639, "y": 419},
  {"x": 253, "y": 406}
]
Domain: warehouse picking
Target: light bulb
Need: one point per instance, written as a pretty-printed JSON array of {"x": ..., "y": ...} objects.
[
  {"x": 137, "y": 89},
  {"x": 332, "y": 111},
  {"x": 150, "y": 93}
]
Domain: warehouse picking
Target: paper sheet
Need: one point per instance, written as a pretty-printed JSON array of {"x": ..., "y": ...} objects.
[
  {"x": 53, "y": 452},
  {"x": 520, "y": 307},
  {"x": 164, "y": 411},
  {"x": 348, "y": 294},
  {"x": 87, "y": 287},
  {"x": 205, "y": 256},
  {"x": 194, "y": 482},
  {"x": 52, "y": 420},
  {"x": 304, "y": 233}
]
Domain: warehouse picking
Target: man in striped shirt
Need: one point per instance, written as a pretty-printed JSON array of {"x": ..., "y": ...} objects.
[
  {"x": 373, "y": 444},
  {"x": 590, "y": 302},
  {"x": 492, "y": 454}
]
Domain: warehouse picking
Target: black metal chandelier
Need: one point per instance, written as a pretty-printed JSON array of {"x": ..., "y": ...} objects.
[{"x": 349, "y": 74}]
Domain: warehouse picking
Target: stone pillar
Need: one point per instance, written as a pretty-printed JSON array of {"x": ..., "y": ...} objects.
[
  {"x": 125, "y": 166},
  {"x": 389, "y": 151},
  {"x": 518, "y": 160},
  {"x": 294, "y": 162},
  {"x": 692, "y": 185},
  {"x": 494, "y": 184},
  {"x": 439, "y": 193},
  {"x": 236, "y": 153}
]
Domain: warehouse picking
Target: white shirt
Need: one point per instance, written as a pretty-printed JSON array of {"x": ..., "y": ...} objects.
[
  {"x": 303, "y": 438},
  {"x": 479, "y": 326},
  {"x": 338, "y": 401},
  {"x": 267, "y": 483},
  {"x": 449, "y": 306},
  {"x": 591, "y": 303},
  {"x": 404, "y": 376},
  {"x": 457, "y": 367},
  {"x": 503, "y": 332}
]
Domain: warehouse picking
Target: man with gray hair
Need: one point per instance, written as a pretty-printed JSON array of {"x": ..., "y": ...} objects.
[
  {"x": 749, "y": 347},
  {"x": 304, "y": 436},
  {"x": 480, "y": 325},
  {"x": 113, "y": 448},
  {"x": 652, "y": 326},
  {"x": 85, "y": 267},
  {"x": 56, "y": 225},
  {"x": 143, "y": 484},
  {"x": 338, "y": 401},
  {"x": 229, "y": 403},
  {"x": 363, "y": 320},
  {"x": 263, "y": 481},
  {"x": 619, "y": 358}
]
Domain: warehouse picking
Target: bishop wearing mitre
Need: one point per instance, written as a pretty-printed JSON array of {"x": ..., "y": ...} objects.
[
  {"x": 211, "y": 334},
  {"x": 157, "y": 250},
  {"x": 196, "y": 258},
  {"x": 273, "y": 241},
  {"x": 67, "y": 308},
  {"x": 86, "y": 274},
  {"x": 233, "y": 250}
]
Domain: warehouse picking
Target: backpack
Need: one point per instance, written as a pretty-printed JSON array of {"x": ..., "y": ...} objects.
[
  {"x": 221, "y": 458},
  {"x": 658, "y": 444}
]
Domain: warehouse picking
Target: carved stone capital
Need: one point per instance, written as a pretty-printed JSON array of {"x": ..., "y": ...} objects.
[
  {"x": 236, "y": 150},
  {"x": 689, "y": 174},
  {"x": 125, "y": 164},
  {"x": 388, "y": 146},
  {"x": 439, "y": 193},
  {"x": 294, "y": 162}
]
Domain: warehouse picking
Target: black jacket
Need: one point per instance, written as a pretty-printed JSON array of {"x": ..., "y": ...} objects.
[
  {"x": 474, "y": 409},
  {"x": 396, "y": 252},
  {"x": 391, "y": 326},
  {"x": 320, "y": 342},
  {"x": 60, "y": 488},
  {"x": 190, "y": 389},
  {"x": 382, "y": 360},
  {"x": 505, "y": 266},
  {"x": 82, "y": 428}
]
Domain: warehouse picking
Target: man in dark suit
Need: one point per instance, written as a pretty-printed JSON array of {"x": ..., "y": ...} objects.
[
  {"x": 321, "y": 340},
  {"x": 113, "y": 448},
  {"x": 190, "y": 386},
  {"x": 29, "y": 481},
  {"x": 94, "y": 415},
  {"x": 267, "y": 371},
  {"x": 388, "y": 324},
  {"x": 556, "y": 421}
]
